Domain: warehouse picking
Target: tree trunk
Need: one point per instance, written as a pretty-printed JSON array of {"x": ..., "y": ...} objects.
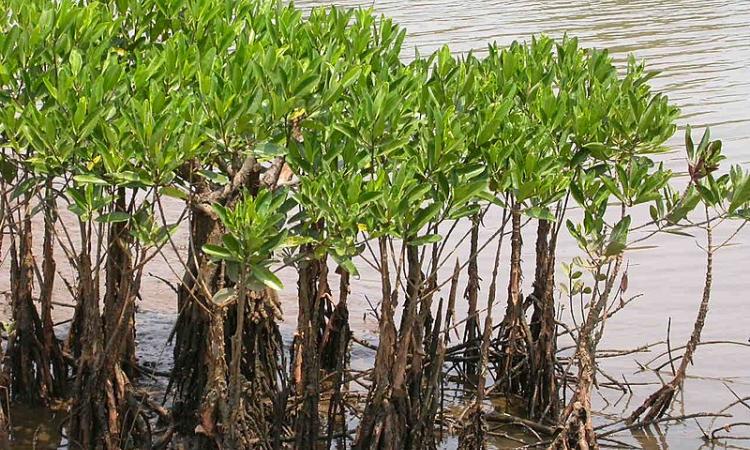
[
  {"x": 471, "y": 333},
  {"x": 578, "y": 428},
  {"x": 473, "y": 436},
  {"x": 337, "y": 332},
  {"x": 206, "y": 337},
  {"x": 544, "y": 396},
  {"x": 106, "y": 413},
  {"x": 51, "y": 345},
  {"x": 119, "y": 297},
  {"x": 312, "y": 287},
  {"x": 196, "y": 329},
  {"x": 335, "y": 351},
  {"x": 411, "y": 358},
  {"x": 516, "y": 364},
  {"x": 27, "y": 364},
  {"x": 380, "y": 427},
  {"x": 4, "y": 406},
  {"x": 88, "y": 423},
  {"x": 214, "y": 410},
  {"x": 4, "y": 428}
]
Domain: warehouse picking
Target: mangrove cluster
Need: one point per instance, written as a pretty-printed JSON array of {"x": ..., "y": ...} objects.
[{"x": 273, "y": 138}]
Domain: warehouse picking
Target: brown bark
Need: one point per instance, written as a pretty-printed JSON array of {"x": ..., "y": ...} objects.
[
  {"x": 194, "y": 361},
  {"x": 4, "y": 407},
  {"x": 471, "y": 333},
  {"x": 408, "y": 368},
  {"x": 516, "y": 363},
  {"x": 200, "y": 375},
  {"x": 312, "y": 286},
  {"x": 105, "y": 413},
  {"x": 429, "y": 383},
  {"x": 473, "y": 435},
  {"x": 578, "y": 428},
  {"x": 88, "y": 422},
  {"x": 119, "y": 295},
  {"x": 543, "y": 401},
  {"x": 335, "y": 346},
  {"x": 416, "y": 353},
  {"x": 337, "y": 332},
  {"x": 51, "y": 345},
  {"x": 237, "y": 409},
  {"x": 380, "y": 427},
  {"x": 4, "y": 428},
  {"x": 110, "y": 415},
  {"x": 27, "y": 364},
  {"x": 214, "y": 413}
]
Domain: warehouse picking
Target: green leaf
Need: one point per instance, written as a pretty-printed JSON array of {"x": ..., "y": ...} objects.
[
  {"x": 350, "y": 76},
  {"x": 232, "y": 244},
  {"x": 174, "y": 192},
  {"x": 678, "y": 233},
  {"x": 296, "y": 241},
  {"x": 78, "y": 211},
  {"x": 685, "y": 206},
  {"x": 24, "y": 188},
  {"x": 269, "y": 150},
  {"x": 7, "y": 170},
  {"x": 426, "y": 239},
  {"x": 346, "y": 264},
  {"x": 599, "y": 150},
  {"x": 217, "y": 178},
  {"x": 90, "y": 179},
  {"x": 689, "y": 146},
  {"x": 267, "y": 277},
  {"x": 618, "y": 238},
  {"x": 114, "y": 217},
  {"x": 424, "y": 216},
  {"x": 224, "y": 296},
  {"x": 164, "y": 232},
  {"x": 540, "y": 213},
  {"x": 741, "y": 193},
  {"x": 468, "y": 191},
  {"x": 75, "y": 62},
  {"x": 217, "y": 251}
]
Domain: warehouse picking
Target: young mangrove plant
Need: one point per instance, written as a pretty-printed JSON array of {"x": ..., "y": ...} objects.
[
  {"x": 715, "y": 199},
  {"x": 239, "y": 407},
  {"x": 641, "y": 122}
]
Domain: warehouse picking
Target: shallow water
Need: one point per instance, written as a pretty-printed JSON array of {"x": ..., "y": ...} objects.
[{"x": 701, "y": 50}]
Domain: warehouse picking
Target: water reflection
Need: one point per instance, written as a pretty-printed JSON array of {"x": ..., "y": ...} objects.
[
  {"x": 651, "y": 438},
  {"x": 36, "y": 428}
]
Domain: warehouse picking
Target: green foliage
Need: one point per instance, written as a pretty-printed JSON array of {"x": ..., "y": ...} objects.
[
  {"x": 255, "y": 231},
  {"x": 171, "y": 98}
]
